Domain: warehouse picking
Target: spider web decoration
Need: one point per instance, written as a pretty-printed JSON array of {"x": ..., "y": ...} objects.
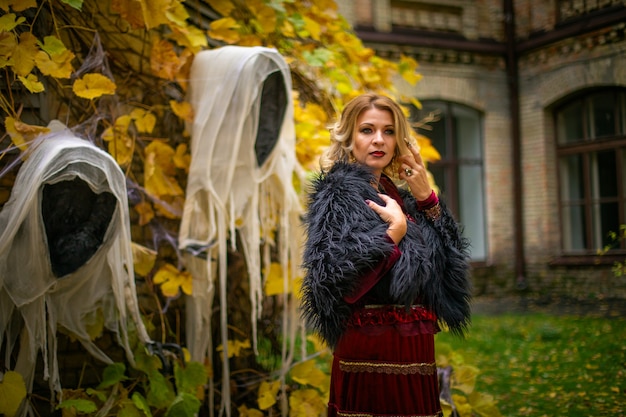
[
  {"x": 240, "y": 184},
  {"x": 65, "y": 255}
]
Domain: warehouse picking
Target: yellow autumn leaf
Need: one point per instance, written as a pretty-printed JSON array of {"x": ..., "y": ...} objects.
[
  {"x": 94, "y": 323},
  {"x": 143, "y": 259},
  {"x": 428, "y": 152},
  {"x": 223, "y": 7},
  {"x": 250, "y": 40},
  {"x": 463, "y": 407},
  {"x": 225, "y": 29},
  {"x": 9, "y": 21},
  {"x": 312, "y": 28},
  {"x": 307, "y": 373},
  {"x": 144, "y": 120},
  {"x": 414, "y": 101},
  {"x": 249, "y": 412},
  {"x": 23, "y": 57},
  {"x": 274, "y": 283},
  {"x": 265, "y": 16},
  {"x": 267, "y": 394},
  {"x": 120, "y": 144},
  {"x": 307, "y": 402},
  {"x": 287, "y": 29},
  {"x": 407, "y": 67},
  {"x": 93, "y": 85},
  {"x": 235, "y": 347},
  {"x": 464, "y": 378},
  {"x": 8, "y": 42},
  {"x": 446, "y": 407},
  {"x": 159, "y": 170},
  {"x": 182, "y": 158},
  {"x": 189, "y": 37},
  {"x": 12, "y": 393},
  {"x": 129, "y": 10},
  {"x": 182, "y": 109},
  {"x": 146, "y": 214},
  {"x": 483, "y": 405},
  {"x": 22, "y": 133},
  {"x": 177, "y": 14},
  {"x": 318, "y": 344},
  {"x": 155, "y": 12},
  {"x": 54, "y": 59},
  {"x": 58, "y": 66},
  {"x": 32, "y": 83},
  {"x": 172, "y": 281},
  {"x": 164, "y": 61},
  {"x": 18, "y": 5}
]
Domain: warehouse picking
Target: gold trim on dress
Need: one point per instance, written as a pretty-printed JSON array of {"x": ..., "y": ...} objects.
[{"x": 389, "y": 368}]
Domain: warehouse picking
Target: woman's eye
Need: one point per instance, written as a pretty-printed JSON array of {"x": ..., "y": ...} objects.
[
  {"x": 390, "y": 131},
  {"x": 366, "y": 130}
]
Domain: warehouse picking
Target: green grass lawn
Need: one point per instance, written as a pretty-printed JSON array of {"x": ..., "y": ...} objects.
[{"x": 542, "y": 365}]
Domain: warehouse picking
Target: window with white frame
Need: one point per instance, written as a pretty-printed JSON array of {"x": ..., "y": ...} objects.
[
  {"x": 591, "y": 147},
  {"x": 457, "y": 134}
]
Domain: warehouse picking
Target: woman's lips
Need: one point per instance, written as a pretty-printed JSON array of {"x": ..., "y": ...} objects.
[{"x": 377, "y": 153}]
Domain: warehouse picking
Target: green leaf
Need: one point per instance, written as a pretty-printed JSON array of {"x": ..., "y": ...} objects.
[
  {"x": 79, "y": 404},
  {"x": 113, "y": 374},
  {"x": 101, "y": 395},
  {"x": 190, "y": 377},
  {"x": 185, "y": 405},
  {"x": 317, "y": 58},
  {"x": 161, "y": 393},
  {"x": 9, "y": 21},
  {"x": 128, "y": 409},
  {"x": 141, "y": 403},
  {"x": 77, "y": 4}
]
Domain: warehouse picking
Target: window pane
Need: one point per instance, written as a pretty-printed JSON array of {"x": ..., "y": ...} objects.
[
  {"x": 572, "y": 184},
  {"x": 604, "y": 174},
  {"x": 602, "y": 114},
  {"x": 472, "y": 209},
  {"x": 467, "y": 132},
  {"x": 574, "y": 228},
  {"x": 439, "y": 177},
  {"x": 570, "y": 123},
  {"x": 605, "y": 220},
  {"x": 437, "y": 130}
]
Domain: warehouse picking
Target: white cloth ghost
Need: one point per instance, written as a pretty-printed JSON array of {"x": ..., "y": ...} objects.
[
  {"x": 35, "y": 298},
  {"x": 241, "y": 181}
]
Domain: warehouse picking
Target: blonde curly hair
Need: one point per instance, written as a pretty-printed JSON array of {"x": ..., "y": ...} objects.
[{"x": 342, "y": 132}]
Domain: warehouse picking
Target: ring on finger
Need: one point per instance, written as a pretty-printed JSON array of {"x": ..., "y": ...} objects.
[{"x": 408, "y": 172}]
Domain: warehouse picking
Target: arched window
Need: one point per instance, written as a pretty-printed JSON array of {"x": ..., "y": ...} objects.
[
  {"x": 457, "y": 135},
  {"x": 591, "y": 147}
]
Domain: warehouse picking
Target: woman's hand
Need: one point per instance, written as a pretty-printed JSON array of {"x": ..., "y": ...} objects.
[
  {"x": 412, "y": 171},
  {"x": 392, "y": 214}
]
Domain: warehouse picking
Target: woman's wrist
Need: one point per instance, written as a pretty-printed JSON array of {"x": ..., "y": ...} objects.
[
  {"x": 396, "y": 232},
  {"x": 429, "y": 202}
]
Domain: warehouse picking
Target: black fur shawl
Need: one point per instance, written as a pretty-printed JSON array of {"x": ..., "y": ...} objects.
[{"x": 345, "y": 238}]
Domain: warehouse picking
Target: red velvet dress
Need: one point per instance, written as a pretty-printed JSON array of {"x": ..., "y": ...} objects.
[{"x": 384, "y": 364}]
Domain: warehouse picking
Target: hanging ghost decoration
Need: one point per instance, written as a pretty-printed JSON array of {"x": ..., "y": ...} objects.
[
  {"x": 240, "y": 182},
  {"x": 65, "y": 254}
]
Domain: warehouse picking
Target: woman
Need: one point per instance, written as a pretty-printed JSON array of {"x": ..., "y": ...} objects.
[{"x": 383, "y": 266}]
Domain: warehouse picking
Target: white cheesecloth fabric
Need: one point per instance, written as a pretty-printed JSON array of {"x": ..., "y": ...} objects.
[
  {"x": 228, "y": 192},
  {"x": 31, "y": 296}
]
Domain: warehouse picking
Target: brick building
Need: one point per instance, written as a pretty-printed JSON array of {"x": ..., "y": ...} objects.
[{"x": 531, "y": 98}]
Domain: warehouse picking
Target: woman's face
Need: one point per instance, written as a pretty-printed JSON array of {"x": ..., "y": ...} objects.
[{"x": 374, "y": 139}]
